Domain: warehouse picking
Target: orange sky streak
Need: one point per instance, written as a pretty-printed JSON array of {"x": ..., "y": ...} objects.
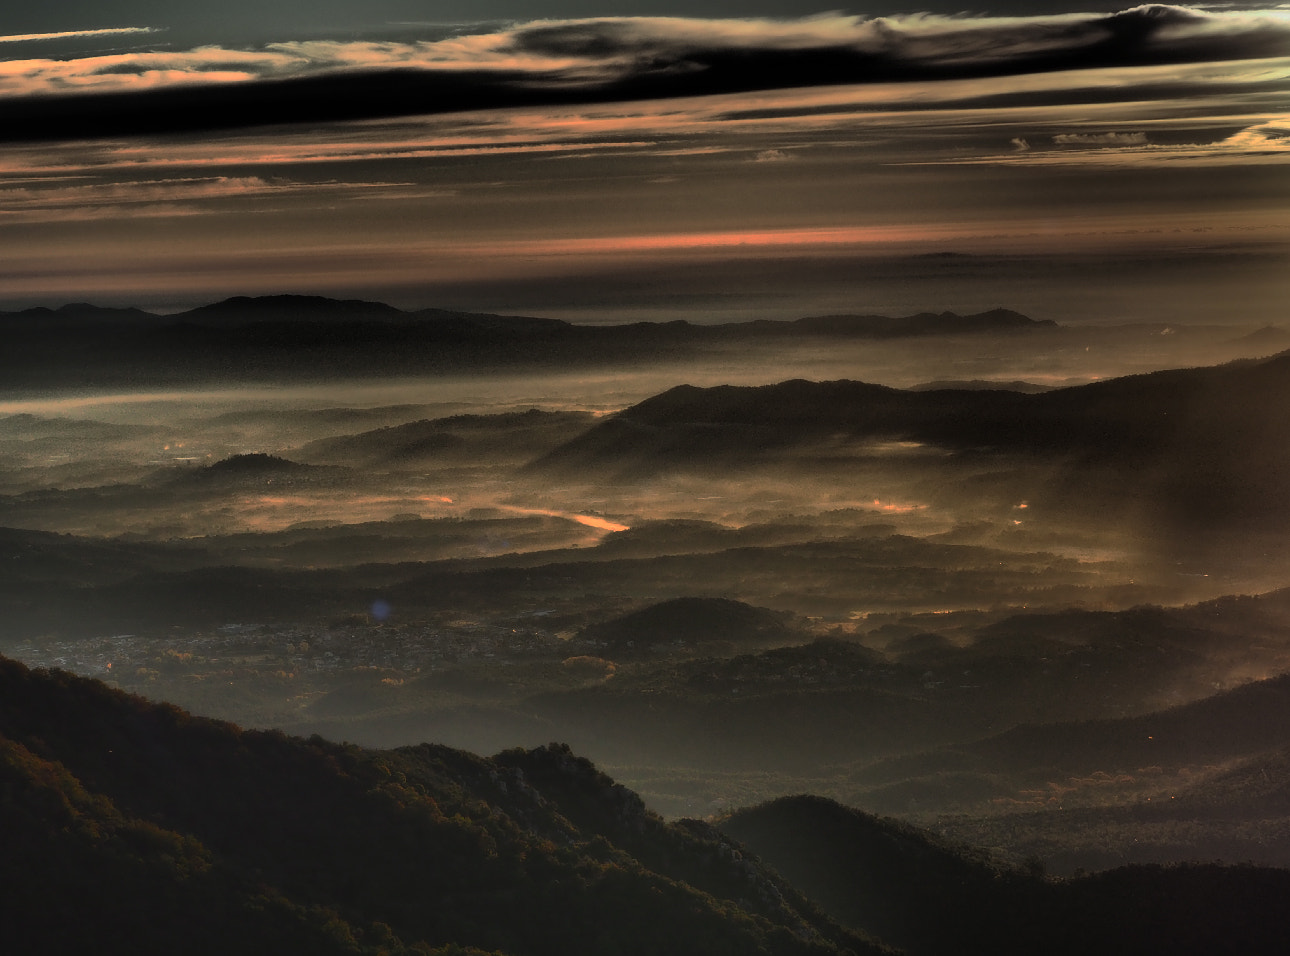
[{"x": 838, "y": 235}]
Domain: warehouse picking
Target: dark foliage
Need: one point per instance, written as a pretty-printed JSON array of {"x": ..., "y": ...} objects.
[
  {"x": 136, "y": 828},
  {"x": 928, "y": 896}
]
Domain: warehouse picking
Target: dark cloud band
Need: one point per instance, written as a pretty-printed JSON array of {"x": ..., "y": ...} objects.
[{"x": 597, "y": 61}]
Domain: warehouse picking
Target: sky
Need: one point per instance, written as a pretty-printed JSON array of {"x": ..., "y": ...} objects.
[{"x": 618, "y": 161}]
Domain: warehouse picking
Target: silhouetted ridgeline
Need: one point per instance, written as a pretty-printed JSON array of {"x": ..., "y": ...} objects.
[
  {"x": 1195, "y": 447},
  {"x": 311, "y": 336},
  {"x": 131, "y": 827},
  {"x": 706, "y": 624},
  {"x": 1135, "y": 416},
  {"x": 134, "y": 827},
  {"x": 509, "y": 437},
  {"x": 1205, "y": 780},
  {"x": 930, "y": 897}
]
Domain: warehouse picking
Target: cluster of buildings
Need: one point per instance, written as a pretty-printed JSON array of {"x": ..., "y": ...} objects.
[{"x": 409, "y": 648}]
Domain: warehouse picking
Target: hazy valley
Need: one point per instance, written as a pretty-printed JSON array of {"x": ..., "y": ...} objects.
[{"x": 1045, "y": 621}]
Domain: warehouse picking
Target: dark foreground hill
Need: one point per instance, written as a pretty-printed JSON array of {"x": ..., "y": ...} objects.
[
  {"x": 130, "y": 827},
  {"x": 927, "y": 896}
]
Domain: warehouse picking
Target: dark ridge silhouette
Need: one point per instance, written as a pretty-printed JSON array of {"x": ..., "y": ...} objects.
[
  {"x": 133, "y": 827},
  {"x": 255, "y": 463},
  {"x": 256, "y": 468},
  {"x": 1268, "y": 337},
  {"x": 245, "y": 310},
  {"x": 28, "y": 426},
  {"x": 928, "y": 896},
  {"x": 1246, "y": 721},
  {"x": 923, "y": 646},
  {"x": 77, "y": 315},
  {"x": 311, "y": 337},
  {"x": 980, "y": 385},
  {"x": 924, "y": 323},
  {"x": 508, "y": 436},
  {"x": 39, "y": 559},
  {"x": 887, "y": 876},
  {"x": 1256, "y": 788},
  {"x": 252, "y": 466},
  {"x": 1196, "y": 448},
  {"x": 692, "y": 622},
  {"x": 495, "y": 323}
]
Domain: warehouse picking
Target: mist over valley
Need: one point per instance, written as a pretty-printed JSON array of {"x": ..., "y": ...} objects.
[{"x": 722, "y": 584}]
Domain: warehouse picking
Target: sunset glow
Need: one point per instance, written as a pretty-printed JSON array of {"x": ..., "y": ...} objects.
[{"x": 978, "y": 137}]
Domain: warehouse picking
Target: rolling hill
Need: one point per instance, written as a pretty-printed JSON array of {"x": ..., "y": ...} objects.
[
  {"x": 1184, "y": 451},
  {"x": 513, "y": 437},
  {"x": 135, "y": 828},
  {"x": 1204, "y": 411},
  {"x": 929, "y": 896},
  {"x": 697, "y": 623}
]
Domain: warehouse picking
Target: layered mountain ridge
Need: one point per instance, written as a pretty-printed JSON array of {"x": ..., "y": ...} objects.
[
  {"x": 308, "y": 337},
  {"x": 135, "y": 827}
]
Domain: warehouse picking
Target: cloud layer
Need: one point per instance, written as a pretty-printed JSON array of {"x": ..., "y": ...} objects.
[
  {"x": 73, "y": 34},
  {"x": 841, "y": 163},
  {"x": 594, "y": 60}
]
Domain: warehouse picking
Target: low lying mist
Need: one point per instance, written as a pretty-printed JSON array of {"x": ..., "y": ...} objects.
[{"x": 505, "y": 559}]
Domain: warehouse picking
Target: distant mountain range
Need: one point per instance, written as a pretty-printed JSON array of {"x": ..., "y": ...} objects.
[
  {"x": 240, "y": 312},
  {"x": 312, "y": 336}
]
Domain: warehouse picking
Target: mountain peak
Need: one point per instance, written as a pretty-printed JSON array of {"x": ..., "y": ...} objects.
[
  {"x": 242, "y": 309},
  {"x": 693, "y": 621}
]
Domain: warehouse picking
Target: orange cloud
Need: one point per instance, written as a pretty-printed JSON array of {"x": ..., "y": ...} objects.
[
  {"x": 73, "y": 34},
  {"x": 566, "y": 54},
  {"x": 1261, "y": 143},
  {"x": 128, "y": 72}
]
